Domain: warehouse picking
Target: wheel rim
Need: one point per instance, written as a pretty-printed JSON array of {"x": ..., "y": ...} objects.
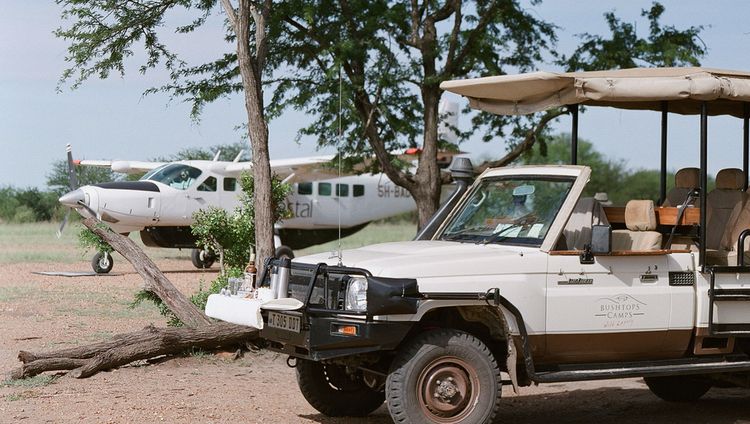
[
  {"x": 104, "y": 261},
  {"x": 448, "y": 390}
]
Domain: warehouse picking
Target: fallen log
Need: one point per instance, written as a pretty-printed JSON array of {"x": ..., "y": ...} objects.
[
  {"x": 151, "y": 342},
  {"x": 147, "y": 343}
]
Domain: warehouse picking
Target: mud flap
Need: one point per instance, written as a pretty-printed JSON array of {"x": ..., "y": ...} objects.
[{"x": 511, "y": 364}]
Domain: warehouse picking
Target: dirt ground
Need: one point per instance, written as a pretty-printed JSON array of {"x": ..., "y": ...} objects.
[{"x": 39, "y": 312}]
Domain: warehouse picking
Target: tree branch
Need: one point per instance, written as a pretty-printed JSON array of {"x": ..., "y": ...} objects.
[
  {"x": 231, "y": 14},
  {"x": 526, "y": 144}
]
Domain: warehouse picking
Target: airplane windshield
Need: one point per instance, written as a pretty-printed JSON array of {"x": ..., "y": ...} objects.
[
  {"x": 175, "y": 175},
  {"x": 512, "y": 211}
]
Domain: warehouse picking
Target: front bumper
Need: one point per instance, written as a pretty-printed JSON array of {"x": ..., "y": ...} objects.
[
  {"x": 318, "y": 341},
  {"x": 320, "y": 288}
]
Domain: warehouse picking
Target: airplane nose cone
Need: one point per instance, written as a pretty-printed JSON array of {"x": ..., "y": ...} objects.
[{"x": 72, "y": 199}]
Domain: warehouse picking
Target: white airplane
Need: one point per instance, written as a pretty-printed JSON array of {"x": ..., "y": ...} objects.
[{"x": 161, "y": 204}]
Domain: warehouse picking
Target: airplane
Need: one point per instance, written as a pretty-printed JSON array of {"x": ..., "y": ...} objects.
[{"x": 160, "y": 205}]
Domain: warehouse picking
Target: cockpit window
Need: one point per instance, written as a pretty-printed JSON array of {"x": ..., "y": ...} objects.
[
  {"x": 175, "y": 175},
  {"x": 517, "y": 210}
]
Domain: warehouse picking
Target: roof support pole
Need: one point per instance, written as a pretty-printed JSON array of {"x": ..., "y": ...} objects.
[
  {"x": 663, "y": 171},
  {"x": 574, "y": 135},
  {"x": 745, "y": 141},
  {"x": 703, "y": 182}
]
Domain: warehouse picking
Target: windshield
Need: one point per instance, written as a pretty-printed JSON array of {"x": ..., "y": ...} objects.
[
  {"x": 512, "y": 210},
  {"x": 175, "y": 175}
]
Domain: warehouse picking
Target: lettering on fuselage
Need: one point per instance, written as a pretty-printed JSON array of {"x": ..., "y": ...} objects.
[
  {"x": 391, "y": 190},
  {"x": 300, "y": 209}
]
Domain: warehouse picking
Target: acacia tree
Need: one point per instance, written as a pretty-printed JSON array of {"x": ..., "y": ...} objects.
[
  {"x": 104, "y": 34},
  {"x": 394, "y": 55}
]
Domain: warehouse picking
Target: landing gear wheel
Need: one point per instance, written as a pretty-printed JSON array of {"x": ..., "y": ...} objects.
[
  {"x": 444, "y": 376},
  {"x": 678, "y": 388},
  {"x": 102, "y": 262},
  {"x": 284, "y": 252},
  {"x": 202, "y": 259},
  {"x": 330, "y": 390}
]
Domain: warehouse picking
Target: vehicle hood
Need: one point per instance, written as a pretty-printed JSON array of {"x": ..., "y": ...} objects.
[{"x": 428, "y": 258}]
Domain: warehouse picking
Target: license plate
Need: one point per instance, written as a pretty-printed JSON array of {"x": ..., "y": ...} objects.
[{"x": 284, "y": 322}]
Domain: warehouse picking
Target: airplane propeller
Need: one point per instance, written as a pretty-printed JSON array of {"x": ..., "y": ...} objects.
[{"x": 73, "y": 184}]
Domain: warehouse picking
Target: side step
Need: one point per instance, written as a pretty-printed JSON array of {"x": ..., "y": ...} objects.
[
  {"x": 643, "y": 369},
  {"x": 726, "y": 295}
]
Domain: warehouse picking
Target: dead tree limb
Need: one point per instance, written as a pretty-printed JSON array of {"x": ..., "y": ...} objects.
[{"x": 150, "y": 342}]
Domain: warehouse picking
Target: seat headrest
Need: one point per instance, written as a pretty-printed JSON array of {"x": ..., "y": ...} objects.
[
  {"x": 730, "y": 179},
  {"x": 687, "y": 178},
  {"x": 640, "y": 215}
]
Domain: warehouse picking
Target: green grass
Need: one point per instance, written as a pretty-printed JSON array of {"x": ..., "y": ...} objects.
[
  {"x": 37, "y": 243},
  {"x": 40, "y": 380},
  {"x": 376, "y": 232}
]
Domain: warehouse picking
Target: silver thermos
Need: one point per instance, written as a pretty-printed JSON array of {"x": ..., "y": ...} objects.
[
  {"x": 282, "y": 286},
  {"x": 274, "y": 280}
]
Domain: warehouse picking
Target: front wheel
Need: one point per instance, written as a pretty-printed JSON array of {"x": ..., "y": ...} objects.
[
  {"x": 678, "y": 388},
  {"x": 333, "y": 392},
  {"x": 444, "y": 376},
  {"x": 102, "y": 262},
  {"x": 202, "y": 258}
]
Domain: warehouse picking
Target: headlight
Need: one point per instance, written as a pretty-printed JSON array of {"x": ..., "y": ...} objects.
[{"x": 356, "y": 294}]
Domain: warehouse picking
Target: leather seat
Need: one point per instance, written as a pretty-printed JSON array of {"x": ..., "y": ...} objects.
[
  {"x": 720, "y": 203},
  {"x": 640, "y": 220},
  {"x": 738, "y": 221},
  {"x": 685, "y": 181}
]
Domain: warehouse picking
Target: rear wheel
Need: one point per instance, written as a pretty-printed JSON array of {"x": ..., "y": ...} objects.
[
  {"x": 444, "y": 376},
  {"x": 102, "y": 262},
  {"x": 202, "y": 259},
  {"x": 678, "y": 388},
  {"x": 333, "y": 392}
]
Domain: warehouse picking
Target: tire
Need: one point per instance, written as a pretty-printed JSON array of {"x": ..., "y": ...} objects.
[
  {"x": 334, "y": 393},
  {"x": 471, "y": 383},
  {"x": 678, "y": 388},
  {"x": 202, "y": 259},
  {"x": 102, "y": 262},
  {"x": 284, "y": 252}
]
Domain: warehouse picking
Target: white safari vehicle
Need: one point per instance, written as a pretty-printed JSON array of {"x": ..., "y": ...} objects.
[{"x": 525, "y": 281}]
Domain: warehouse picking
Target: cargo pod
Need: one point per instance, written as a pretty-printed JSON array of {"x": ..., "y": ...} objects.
[{"x": 711, "y": 280}]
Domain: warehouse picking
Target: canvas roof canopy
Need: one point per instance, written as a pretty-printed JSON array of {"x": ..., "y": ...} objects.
[{"x": 637, "y": 88}]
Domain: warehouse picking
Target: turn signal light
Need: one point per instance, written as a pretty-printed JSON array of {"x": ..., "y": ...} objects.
[{"x": 345, "y": 330}]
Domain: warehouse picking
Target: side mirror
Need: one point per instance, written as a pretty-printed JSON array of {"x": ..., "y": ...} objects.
[{"x": 601, "y": 239}]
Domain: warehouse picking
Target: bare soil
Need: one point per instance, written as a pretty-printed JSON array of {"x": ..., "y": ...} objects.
[{"x": 39, "y": 312}]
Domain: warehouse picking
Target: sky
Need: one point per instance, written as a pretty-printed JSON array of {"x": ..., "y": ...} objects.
[{"x": 112, "y": 119}]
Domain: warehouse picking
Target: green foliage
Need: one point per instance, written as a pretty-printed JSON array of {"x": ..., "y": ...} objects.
[
  {"x": 229, "y": 151},
  {"x": 610, "y": 176},
  {"x": 27, "y": 205},
  {"x": 89, "y": 240},
  {"x": 664, "y": 46},
  {"x": 59, "y": 183},
  {"x": 232, "y": 235},
  {"x": 40, "y": 380}
]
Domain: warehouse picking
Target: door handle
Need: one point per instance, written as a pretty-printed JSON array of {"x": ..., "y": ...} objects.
[{"x": 649, "y": 278}]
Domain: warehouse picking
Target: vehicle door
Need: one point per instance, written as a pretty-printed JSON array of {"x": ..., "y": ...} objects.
[
  {"x": 202, "y": 195},
  {"x": 616, "y": 308}
]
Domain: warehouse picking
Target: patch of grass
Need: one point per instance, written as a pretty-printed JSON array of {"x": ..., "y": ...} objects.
[
  {"x": 198, "y": 353},
  {"x": 40, "y": 380},
  {"x": 377, "y": 232},
  {"x": 13, "y": 397}
]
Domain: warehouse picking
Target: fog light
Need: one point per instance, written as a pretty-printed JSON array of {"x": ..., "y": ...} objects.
[{"x": 344, "y": 330}]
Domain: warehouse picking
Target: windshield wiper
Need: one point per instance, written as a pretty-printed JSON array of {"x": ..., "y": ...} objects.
[
  {"x": 462, "y": 234},
  {"x": 500, "y": 235}
]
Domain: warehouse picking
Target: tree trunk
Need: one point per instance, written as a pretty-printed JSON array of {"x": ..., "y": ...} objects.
[{"x": 251, "y": 71}]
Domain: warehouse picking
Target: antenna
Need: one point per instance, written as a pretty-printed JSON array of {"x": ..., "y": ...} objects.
[{"x": 338, "y": 147}]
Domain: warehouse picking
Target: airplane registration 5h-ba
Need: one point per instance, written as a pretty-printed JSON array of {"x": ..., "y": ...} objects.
[{"x": 161, "y": 204}]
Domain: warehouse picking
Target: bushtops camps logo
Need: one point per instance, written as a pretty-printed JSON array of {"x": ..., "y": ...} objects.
[{"x": 619, "y": 311}]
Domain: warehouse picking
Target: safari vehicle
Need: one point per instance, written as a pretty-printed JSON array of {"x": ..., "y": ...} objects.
[{"x": 525, "y": 281}]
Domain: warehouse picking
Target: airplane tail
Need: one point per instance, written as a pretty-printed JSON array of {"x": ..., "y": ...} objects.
[{"x": 448, "y": 125}]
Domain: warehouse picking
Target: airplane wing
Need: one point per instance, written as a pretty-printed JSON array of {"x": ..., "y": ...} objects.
[
  {"x": 122, "y": 166},
  {"x": 283, "y": 167}
]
